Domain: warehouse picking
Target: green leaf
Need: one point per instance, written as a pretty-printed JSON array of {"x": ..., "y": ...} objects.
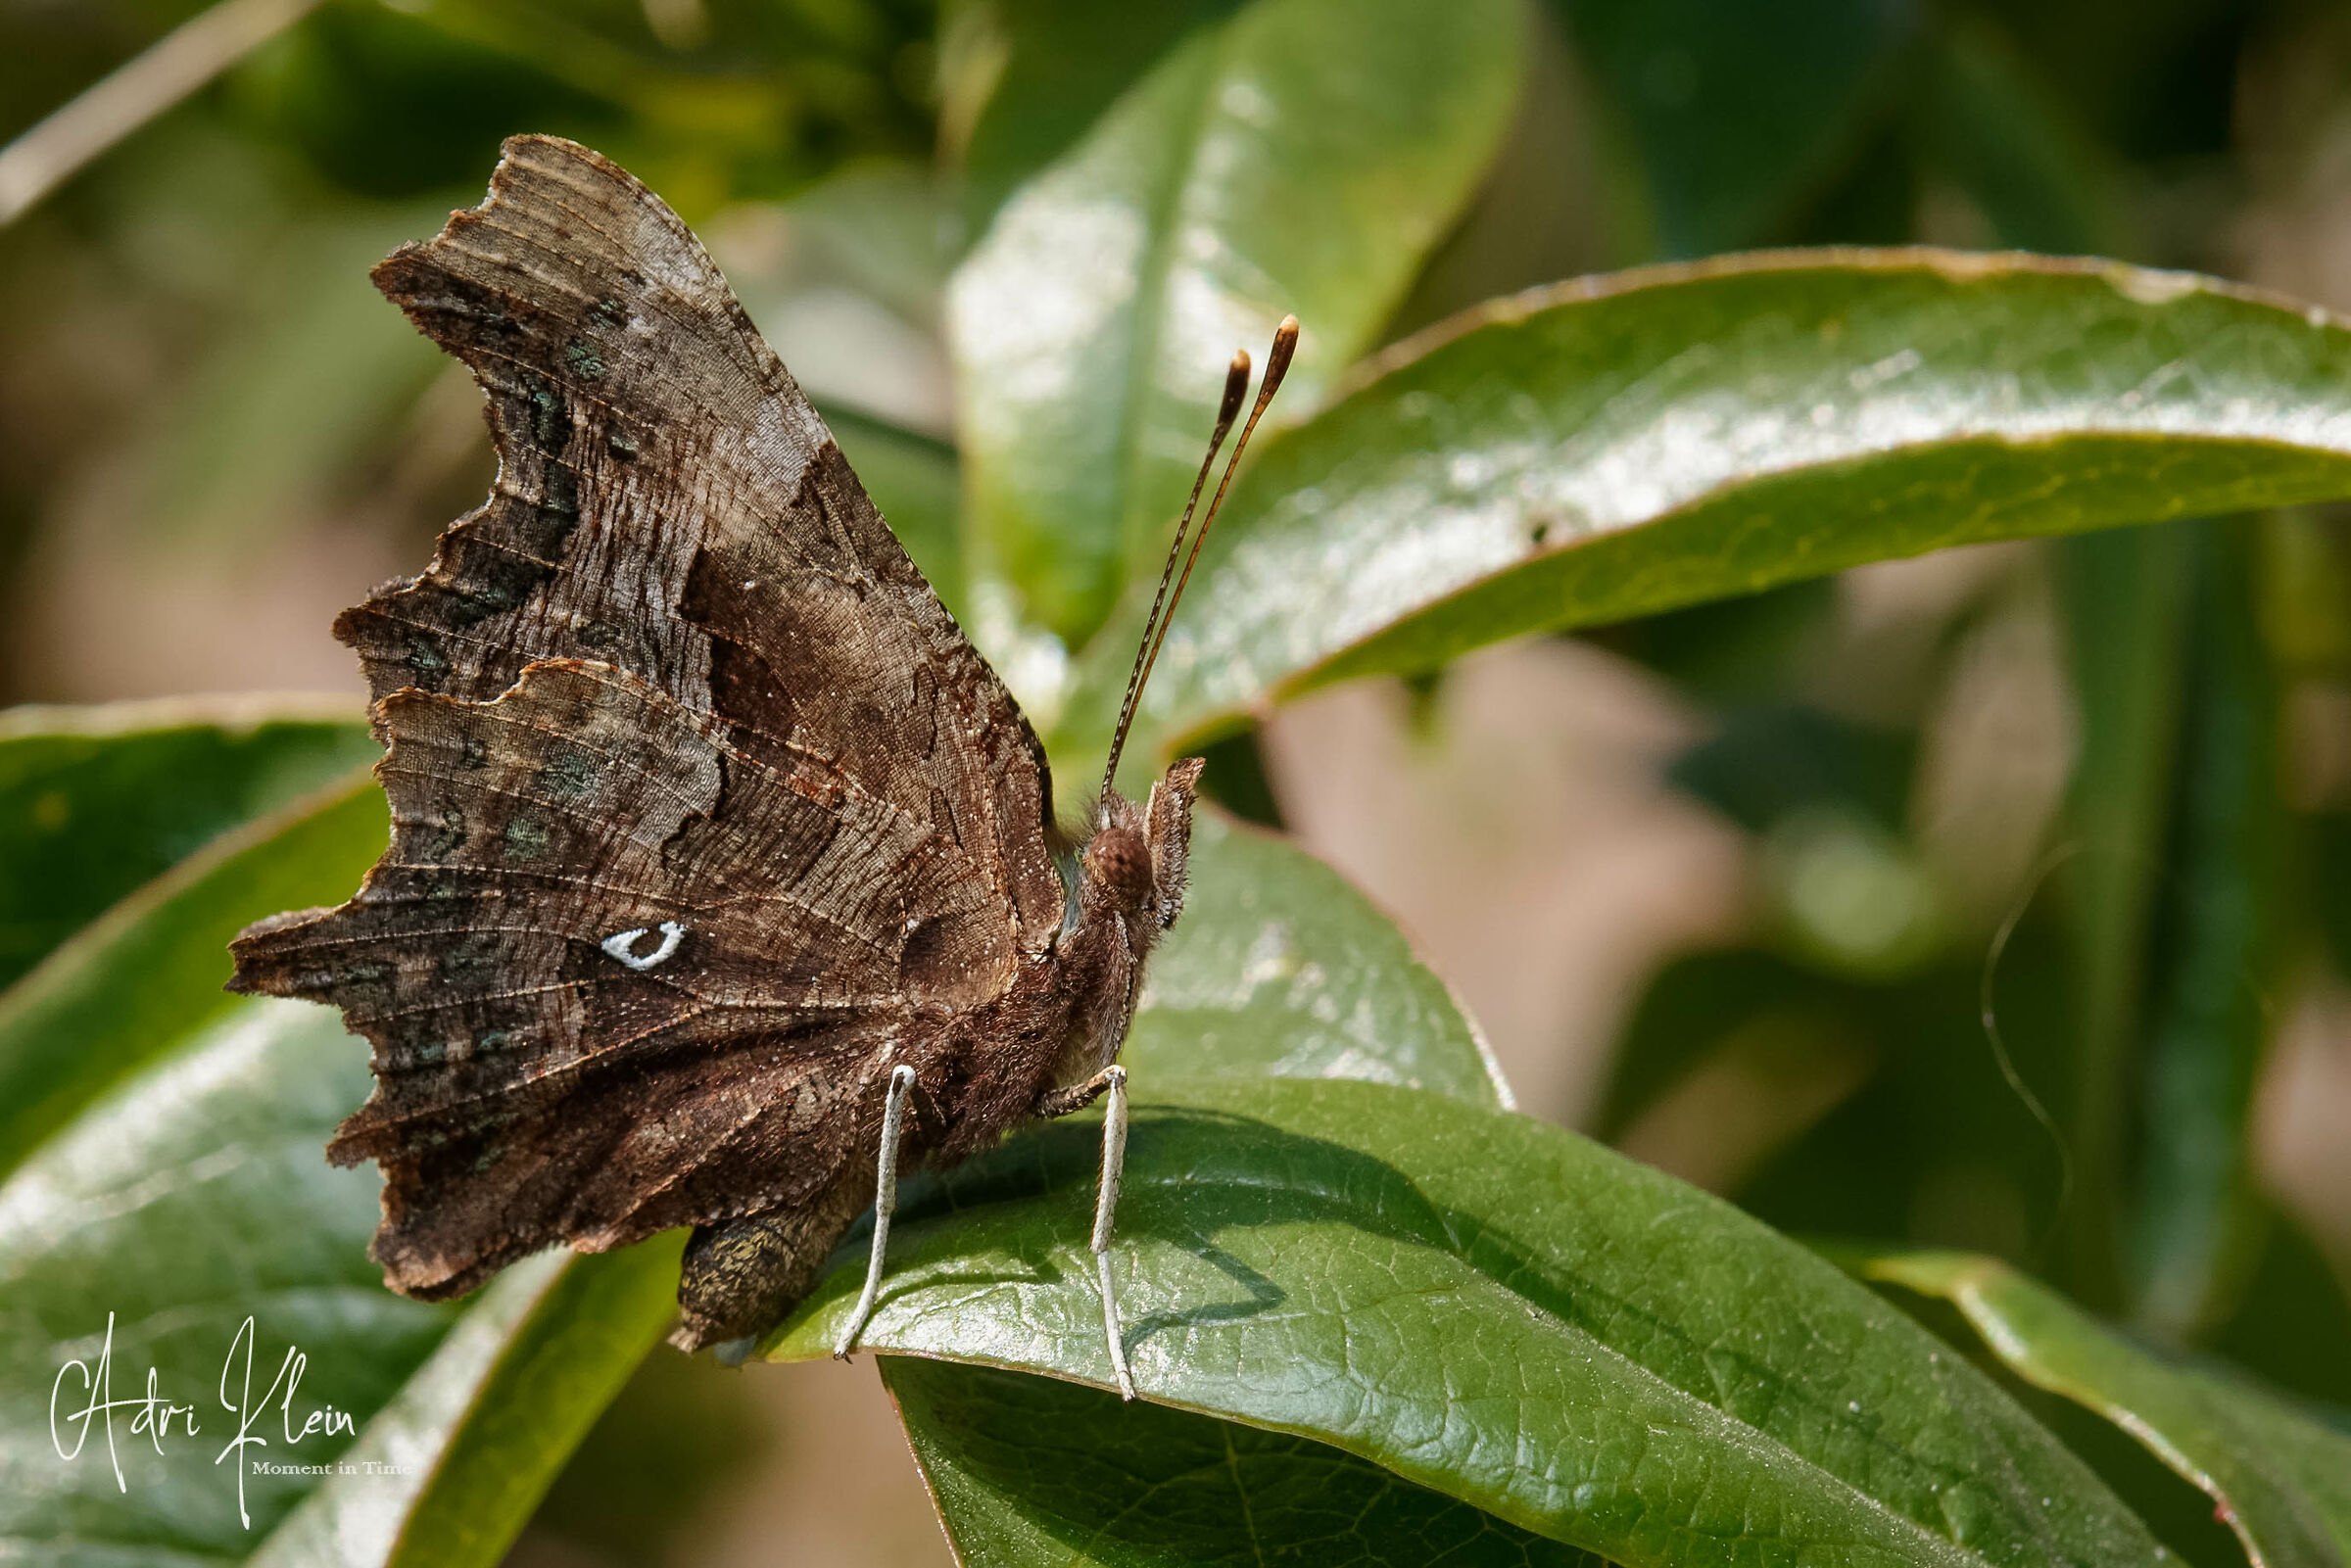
[
  {"x": 1029, "y": 1471},
  {"x": 1303, "y": 156},
  {"x": 2280, "y": 1479},
  {"x": 1278, "y": 968},
  {"x": 2222, "y": 947},
  {"x": 1281, "y": 968},
  {"x": 2125, "y": 599},
  {"x": 445, "y": 1476},
  {"x": 95, "y": 801},
  {"x": 1734, "y": 113},
  {"x": 1496, "y": 1310},
  {"x": 1055, "y": 66},
  {"x": 173, "y": 1183},
  {"x": 2179, "y": 874},
  {"x": 134, "y": 982},
  {"x": 193, "y": 1197},
  {"x": 1603, "y": 451}
]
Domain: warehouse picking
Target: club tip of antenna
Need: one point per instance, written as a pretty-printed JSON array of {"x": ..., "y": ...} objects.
[
  {"x": 1236, "y": 387},
  {"x": 1277, "y": 359}
]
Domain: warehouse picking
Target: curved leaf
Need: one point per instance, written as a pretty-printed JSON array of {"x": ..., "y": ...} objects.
[
  {"x": 1303, "y": 156},
  {"x": 1057, "y": 65},
  {"x": 134, "y": 982},
  {"x": 1499, "y": 1310},
  {"x": 95, "y": 801},
  {"x": 194, "y": 1197},
  {"x": 1029, "y": 1470},
  {"x": 1278, "y": 969},
  {"x": 173, "y": 1187},
  {"x": 2279, "y": 1479},
  {"x": 447, "y": 1473},
  {"x": 1612, "y": 447},
  {"x": 1281, "y": 968}
]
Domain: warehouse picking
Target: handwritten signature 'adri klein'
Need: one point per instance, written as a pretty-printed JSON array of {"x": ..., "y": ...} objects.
[{"x": 156, "y": 1419}]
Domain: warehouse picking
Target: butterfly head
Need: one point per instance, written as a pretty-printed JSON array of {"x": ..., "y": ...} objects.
[
  {"x": 1118, "y": 861},
  {"x": 1133, "y": 861}
]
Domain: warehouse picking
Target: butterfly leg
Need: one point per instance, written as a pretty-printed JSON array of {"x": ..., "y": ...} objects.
[
  {"x": 885, "y": 1202},
  {"x": 1060, "y": 1102}
]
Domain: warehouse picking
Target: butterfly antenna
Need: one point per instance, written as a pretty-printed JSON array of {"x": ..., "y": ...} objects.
[
  {"x": 1236, "y": 387},
  {"x": 1277, "y": 364}
]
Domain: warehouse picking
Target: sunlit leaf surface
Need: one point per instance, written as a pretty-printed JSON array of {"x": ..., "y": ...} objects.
[
  {"x": 1281, "y": 968},
  {"x": 1496, "y": 1310},
  {"x": 1654, "y": 439},
  {"x": 1300, "y": 158}
]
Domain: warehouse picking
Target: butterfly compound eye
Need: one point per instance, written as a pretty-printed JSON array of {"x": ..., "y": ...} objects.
[{"x": 1119, "y": 860}]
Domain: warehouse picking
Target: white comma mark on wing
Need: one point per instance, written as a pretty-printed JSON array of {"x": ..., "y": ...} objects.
[{"x": 620, "y": 945}]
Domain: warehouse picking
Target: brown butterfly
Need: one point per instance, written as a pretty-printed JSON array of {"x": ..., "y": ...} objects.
[{"x": 724, "y": 877}]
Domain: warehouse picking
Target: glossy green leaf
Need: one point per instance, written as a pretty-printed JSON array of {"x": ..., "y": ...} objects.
[
  {"x": 1278, "y": 969},
  {"x": 1302, "y": 156},
  {"x": 95, "y": 801},
  {"x": 1029, "y": 1471},
  {"x": 2278, "y": 1478},
  {"x": 194, "y": 1197},
  {"x": 174, "y": 1177},
  {"x": 1053, "y": 66},
  {"x": 1734, "y": 113},
  {"x": 134, "y": 982},
  {"x": 1499, "y": 1310},
  {"x": 1281, "y": 968},
  {"x": 1611, "y": 449},
  {"x": 447, "y": 1474}
]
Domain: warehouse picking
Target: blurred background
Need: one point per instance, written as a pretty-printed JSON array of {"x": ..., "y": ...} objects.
[{"x": 1780, "y": 895}]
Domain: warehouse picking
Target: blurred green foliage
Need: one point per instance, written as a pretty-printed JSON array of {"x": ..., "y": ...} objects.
[{"x": 193, "y": 366}]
